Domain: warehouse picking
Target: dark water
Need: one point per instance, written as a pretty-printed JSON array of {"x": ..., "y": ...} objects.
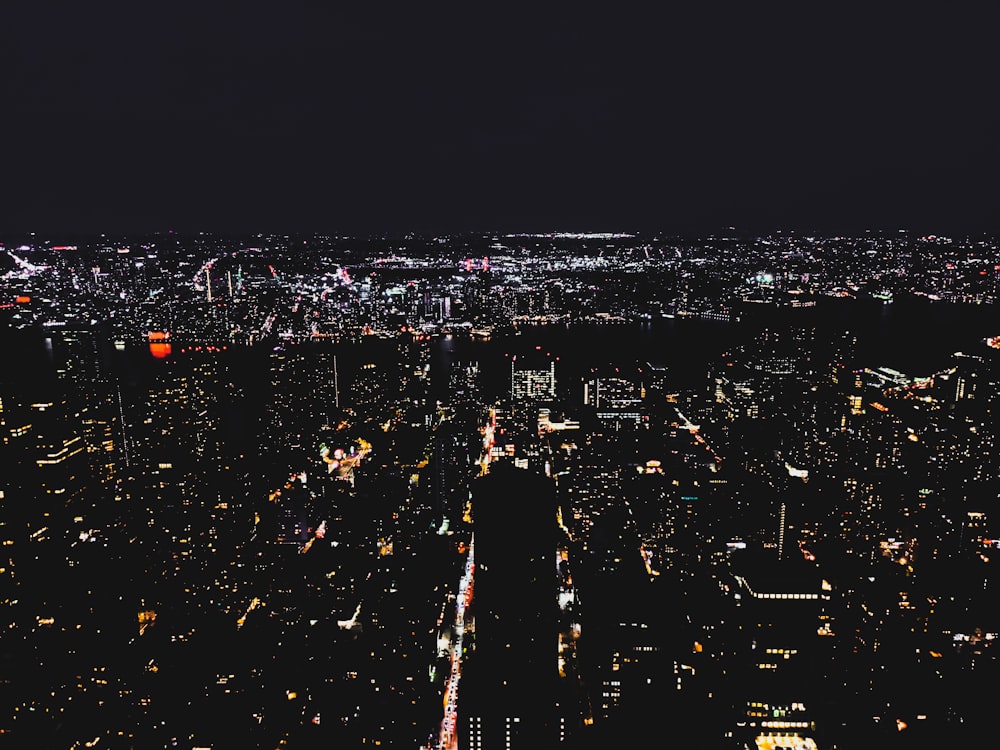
[
  {"x": 684, "y": 346},
  {"x": 913, "y": 335}
]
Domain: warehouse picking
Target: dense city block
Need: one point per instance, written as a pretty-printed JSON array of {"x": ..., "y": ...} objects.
[{"x": 498, "y": 491}]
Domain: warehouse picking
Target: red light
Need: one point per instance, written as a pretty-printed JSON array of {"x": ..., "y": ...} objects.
[
  {"x": 22, "y": 299},
  {"x": 160, "y": 350}
]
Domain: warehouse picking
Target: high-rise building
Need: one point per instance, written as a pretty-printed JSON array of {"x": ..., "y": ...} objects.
[
  {"x": 80, "y": 355},
  {"x": 968, "y": 370},
  {"x": 783, "y": 605},
  {"x": 617, "y": 400},
  {"x": 654, "y": 376},
  {"x": 511, "y": 678},
  {"x": 532, "y": 384},
  {"x": 974, "y": 530}
]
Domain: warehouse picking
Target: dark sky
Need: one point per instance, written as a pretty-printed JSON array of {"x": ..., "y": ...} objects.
[{"x": 301, "y": 116}]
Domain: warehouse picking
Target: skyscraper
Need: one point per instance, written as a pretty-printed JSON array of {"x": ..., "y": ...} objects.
[
  {"x": 532, "y": 384},
  {"x": 508, "y": 699}
]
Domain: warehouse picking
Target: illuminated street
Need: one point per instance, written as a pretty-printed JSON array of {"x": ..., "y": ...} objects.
[{"x": 448, "y": 738}]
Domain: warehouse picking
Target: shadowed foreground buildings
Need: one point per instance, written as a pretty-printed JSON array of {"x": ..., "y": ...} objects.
[{"x": 509, "y": 689}]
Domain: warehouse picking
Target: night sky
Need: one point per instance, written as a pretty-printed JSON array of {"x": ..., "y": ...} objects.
[{"x": 303, "y": 117}]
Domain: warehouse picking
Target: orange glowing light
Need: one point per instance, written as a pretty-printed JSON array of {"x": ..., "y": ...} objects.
[{"x": 159, "y": 345}]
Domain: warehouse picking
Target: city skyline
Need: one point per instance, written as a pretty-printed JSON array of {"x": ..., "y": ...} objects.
[
  {"x": 498, "y": 491},
  {"x": 490, "y": 379}
]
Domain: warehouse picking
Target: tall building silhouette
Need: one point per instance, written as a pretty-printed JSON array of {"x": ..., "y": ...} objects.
[{"x": 509, "y": 689}]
